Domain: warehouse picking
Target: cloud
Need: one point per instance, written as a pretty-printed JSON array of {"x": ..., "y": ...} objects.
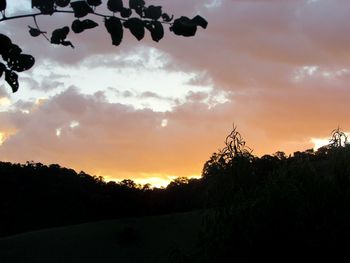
[
  {"x": 112, "y": 139},
  {"x": 278, "y": 69}
]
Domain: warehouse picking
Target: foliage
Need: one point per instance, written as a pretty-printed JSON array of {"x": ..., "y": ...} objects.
[
  {"x": 136, "y": 17},
  {"x": 277, "y": 205}
]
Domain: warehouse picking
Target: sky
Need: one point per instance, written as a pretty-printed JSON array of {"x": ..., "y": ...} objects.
[{"x": 277, "y": 69}]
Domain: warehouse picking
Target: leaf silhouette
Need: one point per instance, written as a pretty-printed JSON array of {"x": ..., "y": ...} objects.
[
  {"x": 81, "y": 9},
  {"x": 94, "y": 2},
  {"x": 167, "y": 18},
  {"x": 2, "y": 5},
  {"x": 136, "y": 27},
  {"x": 34, "y": 32},
  {"x": 5, "y": 44},
  {"x": 200, "y": 21},
  {"x": 12, "y": 51},
  {"x": 45, "y": 6},
  {"x": 12, "y": 79},
  {"x": 59, "y": 36},
  {"x": 153, "y": 12},
  {"x": 62, "y": 3},
  {"x": 79, "y": 26},
  {"x": 156, "y": 29},
  {"x": 126, "y": 12},
  {"x": 2, "y": 69},
  {"x": 184, "y": 26},
  {"x": 136, "y": 4},
  {"x": 115, "y": 5},
  {"x": 115, "y": 29},
  {"x": 21, "y": 62}
]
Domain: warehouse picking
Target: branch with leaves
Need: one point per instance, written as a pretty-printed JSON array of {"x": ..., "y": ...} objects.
[{"x": 137, "y": 17}]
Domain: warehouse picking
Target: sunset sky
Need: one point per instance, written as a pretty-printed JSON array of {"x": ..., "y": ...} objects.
[{"x": 278, "y": 69}]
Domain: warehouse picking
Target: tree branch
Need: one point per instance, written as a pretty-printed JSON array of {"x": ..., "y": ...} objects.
[
  {"x": 42, "y": 33},
  {"x": 5, "y": 18}
]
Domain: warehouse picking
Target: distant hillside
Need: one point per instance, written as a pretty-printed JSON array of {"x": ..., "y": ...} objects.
[{"x": 145, "y": 239}]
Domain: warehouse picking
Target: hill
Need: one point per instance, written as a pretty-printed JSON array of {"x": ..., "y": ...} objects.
[{"x": 143, "y": 239}]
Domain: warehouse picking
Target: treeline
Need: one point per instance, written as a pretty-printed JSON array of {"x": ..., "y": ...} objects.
[{"x": 34, "y": 196}]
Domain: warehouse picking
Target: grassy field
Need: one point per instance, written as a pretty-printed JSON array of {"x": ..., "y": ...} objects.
[{"x": 144, "y": 239}]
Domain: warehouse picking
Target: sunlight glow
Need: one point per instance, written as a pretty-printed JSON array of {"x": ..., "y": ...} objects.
[
  {"x": 2, "y": 138},
  {"x": 319, "y": 142},
  {"x": 158, "y": 180},
  {"x": 164, "y": 123},
  {"x": 58, "y": 132},
  {"x": 74, "y": 124},
  {"x": 4, "y": 101}
]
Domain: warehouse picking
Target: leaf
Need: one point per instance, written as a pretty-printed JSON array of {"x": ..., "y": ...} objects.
[
  {"x": 21, "y": 62},
  {"x": 59, "y": 36},
  {"x": 153, "y": 12},
  {"x": 136, "y": 4},
  {"x": 81, "y": 8},
  {"x": 34, "y": 32},
  {"x": 12, "y": 79},
  {"x": 115, "y": 5},
  {"x": 2, "y": 69},
  {"x": 200, "y": 21},
  {"x": 2, "y": 5},
  {"x": 115, "y": 29},
  {"x": 5, "y": 43},
  {"x": 67, "y": 43},
  {"x": 79, "y": 26},
  {"x": 45, "y": 6},
  {"x": 183, "y": 26},
  {"x": 136, "y": 27},
  {"x": 12, "y": 51},
  {"x": 62, "y": 3},
  {"x": 156, "y": 29},
  {"x": 167, "y": 18},
  {"x": 126, "y": 12},
  {"x": 94, "y": 2}
]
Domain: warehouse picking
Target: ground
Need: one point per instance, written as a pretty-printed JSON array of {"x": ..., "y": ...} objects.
[{"x": 144, "y": 239}]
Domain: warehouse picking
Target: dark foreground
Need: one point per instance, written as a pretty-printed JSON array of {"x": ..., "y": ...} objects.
[
  {"x": 270, "y": 206},
  {"x": 145, "y": 239}
]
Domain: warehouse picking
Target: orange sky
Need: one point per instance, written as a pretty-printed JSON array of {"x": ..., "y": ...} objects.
[{"x": 278, "y": 69}]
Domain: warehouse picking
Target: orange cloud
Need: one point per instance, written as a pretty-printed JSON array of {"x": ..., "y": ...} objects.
[{"x": 283, "y": 67}]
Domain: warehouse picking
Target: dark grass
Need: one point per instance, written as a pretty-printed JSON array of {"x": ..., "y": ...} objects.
[{"x": 144, "y": 239}]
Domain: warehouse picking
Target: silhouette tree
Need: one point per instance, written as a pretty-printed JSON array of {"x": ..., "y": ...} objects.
[{"x": 136, "y": 17}]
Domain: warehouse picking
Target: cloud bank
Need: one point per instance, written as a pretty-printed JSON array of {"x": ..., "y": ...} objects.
[{"x": 281, "y": 69}]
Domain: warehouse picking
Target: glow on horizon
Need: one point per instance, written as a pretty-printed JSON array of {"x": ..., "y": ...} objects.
[
  {"x": 320, "y": 142},
  {"x": 2, "y": 138},
  {"x": 159, "y": 180}
]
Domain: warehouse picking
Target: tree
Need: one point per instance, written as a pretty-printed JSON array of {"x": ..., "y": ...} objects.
[{"x": 137, "y": 17}]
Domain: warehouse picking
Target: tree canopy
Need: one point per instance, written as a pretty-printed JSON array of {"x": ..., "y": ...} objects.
[{"x": 136, "y": 17}]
